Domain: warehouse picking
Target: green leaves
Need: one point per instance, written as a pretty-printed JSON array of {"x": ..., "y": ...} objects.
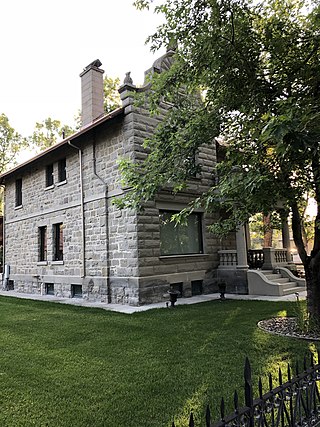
[
  {"x": 49, "y": 132},
  {"x": 257, "y": 66},
  {"x": 11, "y": 142}
]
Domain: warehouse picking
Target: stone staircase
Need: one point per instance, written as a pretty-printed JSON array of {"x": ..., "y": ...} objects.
[{"x": 277, "y": 282}]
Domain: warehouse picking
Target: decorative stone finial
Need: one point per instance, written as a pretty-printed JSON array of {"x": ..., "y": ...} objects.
[{"x": 128, "y": 79}]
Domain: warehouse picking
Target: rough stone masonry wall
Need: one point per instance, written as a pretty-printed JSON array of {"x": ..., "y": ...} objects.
[
  {"x": 43, "y": 206},
  {"x": 156, "y": 273},
  {"x": 61, "y": 203}
]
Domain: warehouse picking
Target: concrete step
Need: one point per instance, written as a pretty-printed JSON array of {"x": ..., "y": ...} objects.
[
  {"x": 282, "y": 280},
  {"x": 288, "y": 286},
  {"x": 272, "y": 276},
  {"x": 293, "y": 290}
]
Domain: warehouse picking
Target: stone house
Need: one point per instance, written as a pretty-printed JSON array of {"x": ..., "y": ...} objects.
[{"x": 63, "y": 235}]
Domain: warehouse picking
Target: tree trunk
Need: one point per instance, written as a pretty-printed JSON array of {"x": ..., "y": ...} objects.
[
  {"x": 310, "y": 262},
  {"x": 267, "y": 231},
  {"x": 312, "y": 271}
]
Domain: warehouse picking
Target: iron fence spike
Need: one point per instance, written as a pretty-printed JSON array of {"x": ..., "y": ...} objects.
[
  {"x": 280, "y": 376},
  {"x": 260, "y": 388},
  {"x": 222, "y": 409},
  {"x": 191, "y": 421},
  {"x": 236, "y": 400},
  {"x": 248, "y": 394},
  {"x": 289, "y": 372},
  {"x": 311, "y": 359},
  {"x": 208, "y": 416},
  {"x": 247, "y": 370}
]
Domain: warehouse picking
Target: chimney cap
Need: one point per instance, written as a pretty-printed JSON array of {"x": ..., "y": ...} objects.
[
  {"x": 93, "y": 65},
  {"x": 96, "y": 63}
]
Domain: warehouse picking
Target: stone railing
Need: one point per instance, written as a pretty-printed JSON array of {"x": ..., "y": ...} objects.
[
  {"x": 228, "y": 258},
  {"x": 275, "y": 258}
]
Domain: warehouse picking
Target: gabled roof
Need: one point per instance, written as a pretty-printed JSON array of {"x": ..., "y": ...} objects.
[{"x": 55, "y": 147}]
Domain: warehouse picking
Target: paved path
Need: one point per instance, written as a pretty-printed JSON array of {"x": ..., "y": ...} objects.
[{"x": 130, "y": 309}]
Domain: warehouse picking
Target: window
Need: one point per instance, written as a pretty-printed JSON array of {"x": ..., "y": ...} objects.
[
  {"x": 49, "y": 175},
  {"x": 180, "y": 239},
  {"x": 19, "y": 192},
  {"x": 76, "y": 291},
  {"x": 62, "y": 170},
  {"x": 196, "y": 287},
  {"x": 58, "y": 242},
  {"x": 49, "y": 288},
  {"x": 42, "y": 243}
]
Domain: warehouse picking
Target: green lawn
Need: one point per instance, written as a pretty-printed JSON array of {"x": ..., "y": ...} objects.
[{"x": 70, "y": 366}]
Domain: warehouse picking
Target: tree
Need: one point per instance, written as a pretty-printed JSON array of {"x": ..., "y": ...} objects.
[
  {"x": 48, "y": 133},
  {"x": 111, "y": 94},
  {"x": 11, "y": 142},
  {"x": 258, "y": 68}
]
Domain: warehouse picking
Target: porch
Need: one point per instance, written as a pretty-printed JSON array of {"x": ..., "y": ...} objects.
[{"x": 265, "y": 271}]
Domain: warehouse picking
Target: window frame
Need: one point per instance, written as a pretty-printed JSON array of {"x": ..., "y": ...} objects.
[
  {"x": 18, "y": 192},
  {"x": 43, "y": 244},
  {"x": 49, "y": 175},
  {"x": 199, "y": 230},
  {"x": 62, "y": 170},
  {"x": 57, "y": 242}
]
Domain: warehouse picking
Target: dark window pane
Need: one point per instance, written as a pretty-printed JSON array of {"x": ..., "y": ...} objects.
[
  {"x": 19, "y": 192},
  {"x": 49, "y": 288},
  {"x": 58, "y": 242},
  {"x": 62, "y": 170},
  {"x": 76, "y": 291},
  {"x": 42, "y": 243},
  {"x": 179, "y": 239},
  {"x": 49, "y": 175}
]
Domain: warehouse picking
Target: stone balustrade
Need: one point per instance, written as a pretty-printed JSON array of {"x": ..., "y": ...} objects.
[{"x": 228, "y": 258}]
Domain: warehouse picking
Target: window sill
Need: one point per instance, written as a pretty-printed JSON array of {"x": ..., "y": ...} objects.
[
  {"x": 61, "y": 183},
  {"x": 165, "y": 257},
  {"x": 50, "y": 187},
  {"x": 42, "y": 263},
  {"x": 57, "y": 263},
  {"x": 18, "y": 207}
]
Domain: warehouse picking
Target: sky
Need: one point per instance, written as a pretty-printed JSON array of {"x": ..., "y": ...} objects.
[{"x": 45, "y": 46}]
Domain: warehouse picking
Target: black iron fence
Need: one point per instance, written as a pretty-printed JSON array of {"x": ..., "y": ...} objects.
[
  {"x": 294, "y": 403},
  {"x": 255, "y": 258}
]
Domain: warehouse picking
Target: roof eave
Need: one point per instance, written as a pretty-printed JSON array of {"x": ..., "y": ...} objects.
[{"x": 54, "y": 147}]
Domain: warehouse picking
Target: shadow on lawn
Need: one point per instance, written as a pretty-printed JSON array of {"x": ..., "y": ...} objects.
[{"x": 104, "y": 368}]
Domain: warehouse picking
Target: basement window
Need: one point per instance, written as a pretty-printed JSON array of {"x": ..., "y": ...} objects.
[
  {"x": 76, "y": 291},
  {"x": 49, "y": 288}
]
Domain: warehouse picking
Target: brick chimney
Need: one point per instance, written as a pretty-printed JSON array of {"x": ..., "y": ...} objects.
[{"x": 92, "y": 92}]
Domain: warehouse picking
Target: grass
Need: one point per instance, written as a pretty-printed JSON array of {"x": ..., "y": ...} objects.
[{"x": 68, "y": 366}]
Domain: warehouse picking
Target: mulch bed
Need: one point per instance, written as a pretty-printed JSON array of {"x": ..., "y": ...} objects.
[{"x": 286, "y": 327}]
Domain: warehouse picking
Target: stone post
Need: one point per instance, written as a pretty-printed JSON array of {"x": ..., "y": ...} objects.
[
  {"x": 241, "y": 248},
  {"x": 286, "y": 238},
  {"x": 269, "y": 259}
]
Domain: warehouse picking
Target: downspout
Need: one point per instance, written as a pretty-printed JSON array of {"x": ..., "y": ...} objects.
[
  {"x": 106, "y": 213},
  {"x": 82, "y": 211},
  {"x": 3, "y": 234}
]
